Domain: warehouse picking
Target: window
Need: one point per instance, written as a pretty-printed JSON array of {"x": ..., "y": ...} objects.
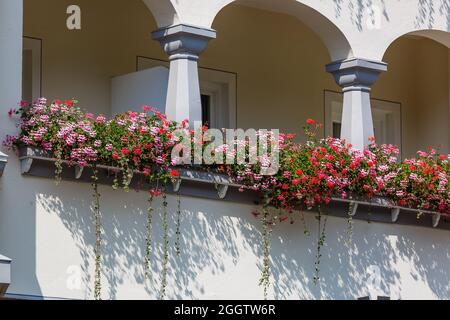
[
  {"x": 31, "y": 69},
  {"x": 386, "y": 118},
  {"x": 218, "y": 93},
  {"x": 206, "y": 109}
]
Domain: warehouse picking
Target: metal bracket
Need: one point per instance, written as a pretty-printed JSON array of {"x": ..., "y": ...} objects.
[
  {"x": 354, "y": 209},
  {"x": 395, "y": 212},
  {"x": 222, "y": 190},
  {"x": 3, "y": 161},
  {"x": 436, "y": 218},
  {"x": 78, "y": 172},
  {"x": 25, "y": 165},
  {"x": 176, "y": 183}
]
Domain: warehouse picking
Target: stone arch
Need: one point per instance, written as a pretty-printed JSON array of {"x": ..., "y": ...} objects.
[
  {"x": 163, "y": 12},
  {"x": 440, "y": 36},
  {"x": 418, "y": 78}
]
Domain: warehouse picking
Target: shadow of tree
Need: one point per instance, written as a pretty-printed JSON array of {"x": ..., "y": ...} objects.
[
  {"x": 219, "y": 241},
  {"x": 124, "y": 238},
  {"x": 360, "y": 9},
  {"x": 427, "y": 11},
  {"x": 403, "y": 255}
]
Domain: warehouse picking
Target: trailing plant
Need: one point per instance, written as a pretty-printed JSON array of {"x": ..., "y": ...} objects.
[
  {"x": 178, "y": 226},
  {"x": 148, "y": 242},
  {"x": 306, "y": 231},
  {"x": 351, "y": 208},
  {"x": 98, "y": 235},
  {"x": 165, "y": 261},
  {"x": 58, "y": 165},
  {"x": 266, "y": 222},
  {"x": 321, "y": 234}
]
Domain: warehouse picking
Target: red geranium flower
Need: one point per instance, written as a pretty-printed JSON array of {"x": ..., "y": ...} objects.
[
  {"x": 69, "y": 103},
  {"x": 174, "y": 173},
  {"x": 125, "y": 151},
  {"x": 311, "y": 121},
  {"x": 290, "y": 136},
  {"x": 137, "y": 151}
]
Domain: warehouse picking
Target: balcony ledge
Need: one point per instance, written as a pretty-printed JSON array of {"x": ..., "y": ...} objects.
[
  {"x": 5, "y": 274},
  {"x": 214, "y": 186}
]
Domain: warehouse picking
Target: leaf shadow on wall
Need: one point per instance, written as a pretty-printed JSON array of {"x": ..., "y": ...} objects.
[{"x": 218, "y": 239}]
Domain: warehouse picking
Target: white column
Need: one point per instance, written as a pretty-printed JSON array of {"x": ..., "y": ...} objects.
[
  {"x": 184, "y": 44},
  {"x": 11, "y": 25},
  {"x": 356, "y": 77}
]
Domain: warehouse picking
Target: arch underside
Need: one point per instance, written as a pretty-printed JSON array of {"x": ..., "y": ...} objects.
[
  {"x": 442, "y": 37},
  {"x": 163, "y": 12}
]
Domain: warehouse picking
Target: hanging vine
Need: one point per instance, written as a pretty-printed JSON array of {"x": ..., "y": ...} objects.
[
  {"x": 350, "y": 223},
  {"x": 58, "y": 165},
  {"x": 178, "y": 226},
  {"x": 305, "y": 227},
  {"x": 148, "y": 242},
  {"x": 320, "y": 243},
  {"x": 115, "y": 184},
  {"x": 264, "y": 280},
  {"x": 165, "y": 248},
  {"x": 98, "y": 235}
]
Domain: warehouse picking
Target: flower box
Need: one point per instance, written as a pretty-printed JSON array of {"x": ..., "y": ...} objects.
[
  {"x": 196, "y": 182},
  {"x": 192, "y": 182}
]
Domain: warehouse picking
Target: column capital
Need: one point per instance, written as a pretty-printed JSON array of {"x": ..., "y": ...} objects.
[
  {"x": 356, "y": 73},
  {"x": 183, "y": 41}
]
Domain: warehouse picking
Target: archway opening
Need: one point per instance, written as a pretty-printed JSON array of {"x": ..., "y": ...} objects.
[
  {"x": 279, "y": 61},
  {"x": 418, "y": 79},
  {"x": 80, "y": 63}
]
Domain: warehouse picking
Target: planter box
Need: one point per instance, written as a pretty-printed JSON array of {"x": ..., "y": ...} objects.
[
  {"x": 192, "y": 182},
  {"x": 214, "y": 186}
]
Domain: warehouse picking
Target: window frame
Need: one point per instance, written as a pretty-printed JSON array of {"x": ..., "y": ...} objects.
[
  {"x": 212, "y": 82},
  {"x": 35, "y": 46}
]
